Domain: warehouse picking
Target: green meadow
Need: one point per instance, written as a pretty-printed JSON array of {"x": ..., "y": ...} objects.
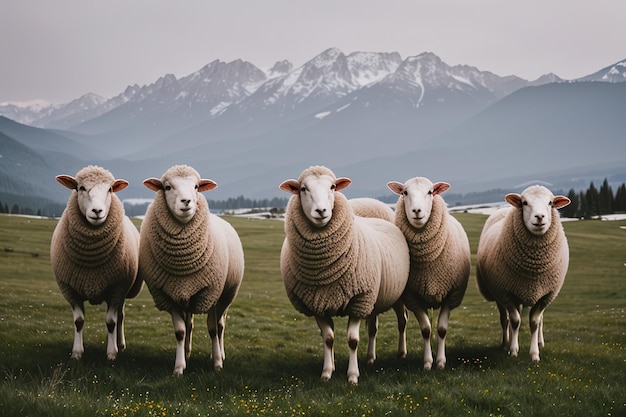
[{"x": 274, "y": 354}]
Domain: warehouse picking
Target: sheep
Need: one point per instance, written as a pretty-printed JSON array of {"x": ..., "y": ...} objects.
[
  {"x": 191, "y": 259},
  {"x": 522, "y": 260},
  {"x": 371, "y": 207},
  {"x": 440, "y": 258},
  {"x": 334, "y": 263},
  {"x": 94, "y": 253}
]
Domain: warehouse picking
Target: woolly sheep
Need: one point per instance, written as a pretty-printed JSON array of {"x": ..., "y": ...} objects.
[
  {"x": 334, "y": 263},
  {"x": 94, "y": 251},
  {"x": 522, "y": 260},
  {"x": 371, "y": 207},
  {"x": 440, "y": 258},
  {"x": 191, "y": 259}
]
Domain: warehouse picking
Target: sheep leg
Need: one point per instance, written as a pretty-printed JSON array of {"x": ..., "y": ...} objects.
[
  {"x": 354, "y": 323},
  {"x": 515, "y": 321},
  {"x": 188, "y": 334},
  {"x": 424, "y": 322},
  {"x": 121, "y": 338},
  {"x": 505, "y": 324},
  {"x": 216, "y": 331},
  {"x": 179, "y": 331},
  {"x": 78, "y": 311},
  {"x": 327, "y": 326},
  {"x": 442, "y": 330},
  {"x": 111, "y": 322},
  {"x": 372, "y": 330},
  {"x": 402, "y": 317},
  {"x": 536, "y": 328}
]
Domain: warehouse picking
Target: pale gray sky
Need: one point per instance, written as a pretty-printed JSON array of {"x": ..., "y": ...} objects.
[{"x": 59, "y": 50}]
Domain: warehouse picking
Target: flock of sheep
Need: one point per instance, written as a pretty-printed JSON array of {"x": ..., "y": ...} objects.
[{"x": 356, "y": 258}]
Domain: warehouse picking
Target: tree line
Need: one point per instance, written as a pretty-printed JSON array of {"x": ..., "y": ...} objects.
[{"x": 595, "y": 202}]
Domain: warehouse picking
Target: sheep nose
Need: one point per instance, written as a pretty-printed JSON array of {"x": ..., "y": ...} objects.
[
  {"x": 417, "y": 211},
  {"x": 96, "y": 211},
  {"x": 321, "y": 211},
  {"x": 185, "y": 202}
]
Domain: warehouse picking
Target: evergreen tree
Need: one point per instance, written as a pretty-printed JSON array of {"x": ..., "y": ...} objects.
[
  {"x": 620, "y": 199},
  {"x": 15, "y": 209},
  {"x": 583, "y": 208},
  {"x": 605, "y": 200},
  {"x": 593, "y": 198},
  {"x": 572, "y": 209}
]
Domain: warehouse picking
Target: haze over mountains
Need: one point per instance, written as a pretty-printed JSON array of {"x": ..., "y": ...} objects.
[{"x": 373, "y": 117}]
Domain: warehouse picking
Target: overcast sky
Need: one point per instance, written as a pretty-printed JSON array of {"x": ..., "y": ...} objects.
[{"x": 58, "y": 50}]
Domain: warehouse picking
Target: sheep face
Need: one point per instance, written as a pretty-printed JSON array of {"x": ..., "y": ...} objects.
[
  {"x": 418, "y": 196},
  {"x": 181, "y": 193},
  {"x": 94, "y": 190},
  {"x": 536, "y": 203},
  {"x": 317, "y": 196}
]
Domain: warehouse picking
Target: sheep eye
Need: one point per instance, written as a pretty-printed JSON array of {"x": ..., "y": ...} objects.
[
  {"x": 332, "y": 187},
  {"x": 525, "y": 203},
  {"x": 405, "y": 193},
  {"x": 196, "y": 187},
  {"x": 110, "y": 189},
  {"x": 430, "y": 192},
  {"x": 168, "y": 187},
  {"x": 82, "y": 188},
  {"x": 303, "y": 189},
  {"x": 550, "y": 203}
]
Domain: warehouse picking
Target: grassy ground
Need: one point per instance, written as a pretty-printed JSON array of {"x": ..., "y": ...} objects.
[{"x": 274, "y": 354}]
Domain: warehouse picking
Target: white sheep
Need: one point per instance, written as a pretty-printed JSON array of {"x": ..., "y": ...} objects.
[
  {"x": 191, "y": 259},
  {"x": 94, "y": 251},
  {"x": 371, "y": 207},
  {"x": 334, "y": 263},
  {"x": 440, "y": 258},
  {"x": 522, "y": 260}
]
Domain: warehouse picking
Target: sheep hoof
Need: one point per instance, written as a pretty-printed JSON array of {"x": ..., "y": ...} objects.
[
  {"x": 428, "y": 366},
  {"x": 441, "y": 364},
  {"x": 353, "y": 380},
  {"x": 535, "y": 358},
  {"x": 111, "y": 356},
  {"x": 218, "y": 368},
  {"x": 326, "y": 376},
  {"x": 402, "y": 354},
  {"x": 370, "y": 361},
  {"x": 77, "y": 355},
  {"x": 178, "y": 371}
]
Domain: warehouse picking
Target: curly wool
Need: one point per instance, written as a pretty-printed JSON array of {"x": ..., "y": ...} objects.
[
  {"x": 87, "y": 259},
  {"x": 179, "y": 262},
  {"x": 433, "y": 277},
  {"x": 523, "y": 264},
  {"x": 327, "y": 271}
]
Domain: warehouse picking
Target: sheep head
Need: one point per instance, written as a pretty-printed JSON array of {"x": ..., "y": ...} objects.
[
  {"x": 418, "y": 194},
  {"x": 316, "y": 187},
  {"x": 181, "y": 185},
  {"x": 537, "y": 204},
  {"x": 94, "y": 186}
]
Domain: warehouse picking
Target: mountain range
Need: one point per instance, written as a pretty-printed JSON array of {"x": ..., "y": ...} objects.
[{"x": 373, "y": 117}]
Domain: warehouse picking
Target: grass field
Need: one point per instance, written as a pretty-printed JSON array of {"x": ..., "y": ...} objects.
[{"x": 274, "y": 354}]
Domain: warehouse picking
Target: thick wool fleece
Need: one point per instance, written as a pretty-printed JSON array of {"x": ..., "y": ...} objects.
[
  {"x": 440, "y": 258},
  {"x": 91, "y": 262},
  {"x": 330, "y": 271},
  {"x": 521, "y": 264},
  {"x": 182, "y": 265}
]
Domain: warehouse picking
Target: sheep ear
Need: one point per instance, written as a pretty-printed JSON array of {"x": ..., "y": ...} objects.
[
  {"x": 291, "y": 186},
  {"x": 396, "y": 187},
  {"x": 342, "y": 183},
  {"x": 154, "y": 184},
  {"x": 514, "y": 199},
  {"x": 206, "y": 185},
  {"x": 440, "y": 187},
  {"x": 119, "y": 185},
  {"x": 67, "y": 181},
  {"x": 560, "y": 201}
]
